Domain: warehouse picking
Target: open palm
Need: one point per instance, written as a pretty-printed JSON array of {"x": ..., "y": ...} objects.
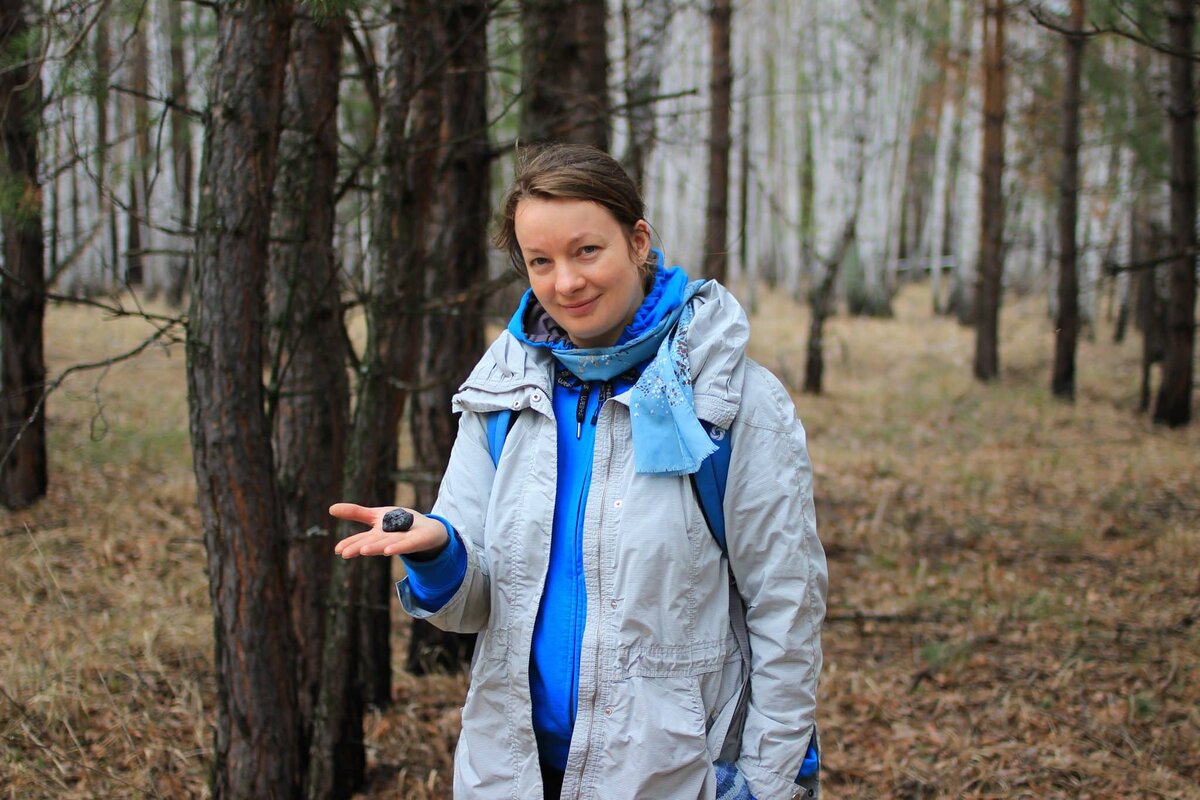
[{"x": 427, "y": 535}]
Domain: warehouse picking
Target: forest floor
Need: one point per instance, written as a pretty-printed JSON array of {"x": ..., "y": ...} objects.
[{"x": 1014, "y": 607}]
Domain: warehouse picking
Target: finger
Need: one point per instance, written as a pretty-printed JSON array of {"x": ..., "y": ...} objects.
[
  {"x": 352, "y": 545},
  {"x": 354, "y": 513}
]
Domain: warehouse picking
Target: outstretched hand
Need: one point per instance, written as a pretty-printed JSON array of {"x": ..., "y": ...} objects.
[{"x": 425, "y": 536}]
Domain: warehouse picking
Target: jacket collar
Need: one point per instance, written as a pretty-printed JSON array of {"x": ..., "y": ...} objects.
[{"x": 511, "y": 373}]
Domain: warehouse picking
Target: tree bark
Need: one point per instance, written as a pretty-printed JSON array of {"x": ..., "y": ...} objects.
[
  {"x": 991, "y": 251},
  {"x": 1173, "y": 405},
  {"x": 412, "y": 117},
  {"x": 716, "y": 255},
  {"x": 564, "y": 69},
  {"x": 642, "y": 31},
  {"x": 310, "y": 392},
  {"x": 1150, "y": 311},
  {"x": 139, "y": 173},
  {"x": 257, "y": 728},
  {"x": 453, "y": 339},
  {"x": 1062, "y": 382},
  {"x": 23, "y": 471},
  {"x": 181, "y": 147},
  {"x": 820, "y": 299},
  {"x": 104, "y": 202}
]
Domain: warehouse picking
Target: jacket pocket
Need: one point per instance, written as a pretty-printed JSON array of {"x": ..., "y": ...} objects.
[{"x": 655, "y": 739}]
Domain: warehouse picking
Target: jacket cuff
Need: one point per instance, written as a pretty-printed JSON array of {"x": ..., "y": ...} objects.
[
  {"x": 766, "y": 785},
  {"x": 431, "y": 582}
]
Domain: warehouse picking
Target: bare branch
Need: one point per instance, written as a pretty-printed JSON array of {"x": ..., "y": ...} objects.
[
  {"x": 165, "y": 334},
  {"x": 1151, "y": 263},
  {"x": 169, "y": 102},
  {"x": 1049, "y": 22}
]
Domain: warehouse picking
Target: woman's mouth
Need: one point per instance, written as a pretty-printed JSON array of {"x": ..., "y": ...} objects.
[{"x": 580, "y": 309}]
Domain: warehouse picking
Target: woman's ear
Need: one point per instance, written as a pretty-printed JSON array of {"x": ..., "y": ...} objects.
[{"x": 640, "y": 240}]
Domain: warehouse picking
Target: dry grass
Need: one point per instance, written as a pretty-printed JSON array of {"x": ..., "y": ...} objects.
[{"x": 1015, "y": 582}]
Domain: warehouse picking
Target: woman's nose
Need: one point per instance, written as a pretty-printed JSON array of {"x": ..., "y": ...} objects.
[{"x": 568, "y": 280}]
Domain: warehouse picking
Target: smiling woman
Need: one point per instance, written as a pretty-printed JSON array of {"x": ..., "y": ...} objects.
[
  {"x": 582, "y": 267},
  {"x": 628, "y": 607}
]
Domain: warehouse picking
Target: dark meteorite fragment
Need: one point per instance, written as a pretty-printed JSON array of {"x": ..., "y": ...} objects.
[{"x": 397, "y": 520}]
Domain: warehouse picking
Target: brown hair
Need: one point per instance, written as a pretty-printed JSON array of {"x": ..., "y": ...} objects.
[{"x": 576, "y": 172}]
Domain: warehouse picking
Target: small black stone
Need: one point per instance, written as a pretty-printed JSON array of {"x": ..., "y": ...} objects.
[{"x": 397, "y": 520}]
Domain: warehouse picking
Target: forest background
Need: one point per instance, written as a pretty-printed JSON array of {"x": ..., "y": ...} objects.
[{"x": 246, "y": 264}]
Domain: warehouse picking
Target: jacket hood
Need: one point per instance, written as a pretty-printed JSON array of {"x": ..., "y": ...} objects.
[{"x": 510, "y": 371}]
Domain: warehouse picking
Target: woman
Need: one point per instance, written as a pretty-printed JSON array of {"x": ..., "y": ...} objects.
[{"x": 613, "y": 659}]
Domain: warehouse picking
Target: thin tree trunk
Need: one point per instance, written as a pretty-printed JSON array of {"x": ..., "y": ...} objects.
[
  {"x": 139, "y": 174},
  {"x": 991, "y": 251},
  {"x": 820, "y": 297},
  {"x": 1062, "y": 382},
  {"x": 453, "y": 339},
  {"x": 1173, "y": 405},
  {"x": 257, "y": 727},
  {"x": 104, "y": 203},
  {"x": 716, "y": 256},
  {"x": 643, "y": 33},
  {"x": 411, "y": 121},
  {"x": 181, "y": 147},
  {"x": 23, "y": 473},
  {"x": 310, "y": 391},
  {"x": 564, "y": 68}
]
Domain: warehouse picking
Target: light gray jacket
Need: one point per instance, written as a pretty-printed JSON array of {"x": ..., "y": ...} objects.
[{"x": 661, "y": 672}]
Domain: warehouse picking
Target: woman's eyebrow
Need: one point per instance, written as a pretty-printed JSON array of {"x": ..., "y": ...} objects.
[{"x": 574, "y": 240}]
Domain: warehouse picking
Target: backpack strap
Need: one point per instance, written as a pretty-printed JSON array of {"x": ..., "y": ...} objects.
[
  {"x": 499, "y": 423},
  {"x": 709, "y": 483}
]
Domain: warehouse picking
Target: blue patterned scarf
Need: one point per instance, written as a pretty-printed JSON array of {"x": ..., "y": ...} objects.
[{"x": 668, "y": 439}]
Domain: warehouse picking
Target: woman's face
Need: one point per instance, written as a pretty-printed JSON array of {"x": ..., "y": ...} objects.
[{"x": 582, "y": 267}]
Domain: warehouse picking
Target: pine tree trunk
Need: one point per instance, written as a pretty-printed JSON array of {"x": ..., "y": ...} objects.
[
  {"x": 991, "y": 251},
  {"x": 181, "y": 148},
  {"x": 1173, "y": 405},
  {"x": 716, "y": 256},
  {"x": 257, "y": 726},
  {"x": 457, "y": 263},
  {"x": 1062, "y": 382},
  {"x": 564, "y": 72},
  {"x": 310, "y": 391},
  {"x": 412, "y": 110},
  {"x": 23, "y": 473}
]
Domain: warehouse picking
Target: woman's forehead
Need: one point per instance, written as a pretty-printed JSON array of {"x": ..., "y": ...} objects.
[{"x": 560, "y": 219}]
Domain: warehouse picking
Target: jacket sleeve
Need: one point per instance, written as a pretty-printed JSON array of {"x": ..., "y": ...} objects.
[
  {"x": 780, "y": 569},
  {"x": 463, "y": 497}
]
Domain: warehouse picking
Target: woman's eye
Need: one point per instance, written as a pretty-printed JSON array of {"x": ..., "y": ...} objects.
[
  {"x": 589, "y": 250},
  {"x": 534, "y": 263}
]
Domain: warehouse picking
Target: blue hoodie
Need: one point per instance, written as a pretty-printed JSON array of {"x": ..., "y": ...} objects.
[{"x": 558, "y": 630}]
